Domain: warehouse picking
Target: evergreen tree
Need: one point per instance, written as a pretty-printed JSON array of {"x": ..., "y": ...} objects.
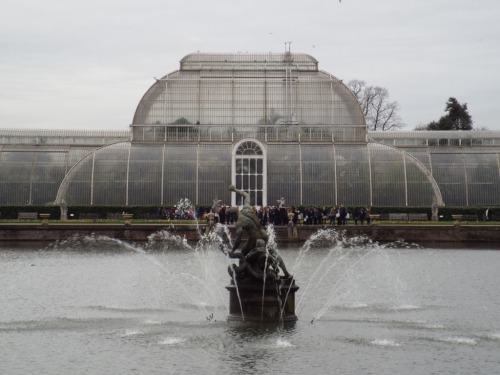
[{"x": 458, "y": 117}]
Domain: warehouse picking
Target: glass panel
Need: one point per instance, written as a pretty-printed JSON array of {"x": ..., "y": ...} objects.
[
  {"x": 253, "y": 168},
  {"x": 145, "y": 175},
  {"x": 253, "y": 182},
  {"x": 283, "y": 170},
  {"x": 353, "y": 175},
  {"x": 48, "y": 172},
  {"x": 245, "y": 167},
  {"x": 214, "y": 174},
  {"x": 260, "y": 166},
  {"x": 77, "y": 187},
  {"x": 318, "y": 173},
  {"x": 259, "y": 199},
  {"x": 110, "y": 175},
  {"x": 179, "y": 173},
  {"x": 420, "y": 191},
  {"x": 483, "y": 179},
  {"x": 448, "y": 171}
]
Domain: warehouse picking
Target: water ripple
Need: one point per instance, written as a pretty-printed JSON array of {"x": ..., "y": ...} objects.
[{"x": 385, "y": 342}]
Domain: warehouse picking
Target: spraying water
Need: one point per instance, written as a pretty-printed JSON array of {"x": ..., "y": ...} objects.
[{"x": 338, "y": 261}]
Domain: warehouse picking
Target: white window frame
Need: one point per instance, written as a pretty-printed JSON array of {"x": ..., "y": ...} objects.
[{"x": 263, "y": 157}]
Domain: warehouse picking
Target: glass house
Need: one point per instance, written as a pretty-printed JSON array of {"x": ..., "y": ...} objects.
[{"x": 272, "y": 124}]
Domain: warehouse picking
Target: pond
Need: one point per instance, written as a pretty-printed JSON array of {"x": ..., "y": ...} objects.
[{"x": 98, "y": 305}]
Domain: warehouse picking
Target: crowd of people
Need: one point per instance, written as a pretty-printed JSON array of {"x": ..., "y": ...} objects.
[
  {"x": 337, "y": 215},
  {"x": 220, "y": 214},
  {"x": 175, "y": 213},
  {"x": 279, "y": 214}
]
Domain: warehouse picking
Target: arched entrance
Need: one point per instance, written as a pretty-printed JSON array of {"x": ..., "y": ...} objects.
[{"x": 248, "y": 172}]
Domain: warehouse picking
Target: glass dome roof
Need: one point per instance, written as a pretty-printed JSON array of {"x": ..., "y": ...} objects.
[{"x": 249, "y": 89}]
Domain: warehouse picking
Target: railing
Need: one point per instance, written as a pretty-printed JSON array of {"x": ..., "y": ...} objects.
[{"x": 264, "y": 133}]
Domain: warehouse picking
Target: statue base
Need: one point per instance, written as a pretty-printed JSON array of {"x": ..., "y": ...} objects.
[{"x": 254, "y": 304}]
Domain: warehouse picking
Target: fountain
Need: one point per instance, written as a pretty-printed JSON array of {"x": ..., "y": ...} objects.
[
  {"x": 91, "y": 303},
  {"x": 262, "y": 290}
]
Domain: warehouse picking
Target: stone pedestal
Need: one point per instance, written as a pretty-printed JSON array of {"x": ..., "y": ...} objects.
[
  {"x": 249, "y": 303},
  {"x": 127, "y": 218},
  {"x": 64, "y": 210},
  {"x": 45, "y": 218}
]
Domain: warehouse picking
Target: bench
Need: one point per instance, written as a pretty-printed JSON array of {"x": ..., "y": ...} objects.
[
  {"x": 27, "y": 215},
  {"x": 89, "y": 215},
  {"x": 398, "y": 217},
  {"x": 114, "y": 215},
  {"x": 418, "y": 217}
]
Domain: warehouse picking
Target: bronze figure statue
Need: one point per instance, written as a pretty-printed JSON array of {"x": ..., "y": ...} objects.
[{"x": 256, "y": 261}]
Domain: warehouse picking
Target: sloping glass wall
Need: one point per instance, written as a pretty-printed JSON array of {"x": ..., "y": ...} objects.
[
  {"x": 466, "y": 165},
  {"x": 317, "y": 173},
  {"x": 354, "y": 175},
  {"x": 308, "y": 174},
  {"x": 138, "y": 174},
  {"x": 33, "y": 174},
  {"x": 483, "y": 177},
  {"x": 283, "y": 173},
  {"x": 305, "y": 174},
  {"x": 468, "y": 178},
  {"x": 145, "y": 165}
]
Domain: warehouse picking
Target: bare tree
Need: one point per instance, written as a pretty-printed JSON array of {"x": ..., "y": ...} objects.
[{"x": 380, "y": 113}]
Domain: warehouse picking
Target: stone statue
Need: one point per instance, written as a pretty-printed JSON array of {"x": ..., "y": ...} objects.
[
  {"x": 210, "y": 222},
  {"x": 64, "y": 210},
  {"x": 434, "y": 210},
  {"x": 282, "y": 218},
  {"x": 258, "y": 293},
  {"x": 249, "y": 222},
  {"x": 255, "y": 260},
  {"x": 281, "y": 202},
  {"x": 216, "y": 205}
]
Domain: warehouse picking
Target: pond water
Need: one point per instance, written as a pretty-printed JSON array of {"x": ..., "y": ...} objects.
[{"x": 99, "y": 306}]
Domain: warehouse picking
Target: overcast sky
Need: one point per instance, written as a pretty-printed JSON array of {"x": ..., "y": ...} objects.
[{"x": 67, "y": 64}]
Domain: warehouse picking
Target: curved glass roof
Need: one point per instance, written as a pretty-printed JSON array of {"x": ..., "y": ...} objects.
[{"x": 248, "y": 89}]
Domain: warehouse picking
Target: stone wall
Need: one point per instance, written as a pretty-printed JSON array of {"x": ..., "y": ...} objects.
[{"x": 140, "y": 232}]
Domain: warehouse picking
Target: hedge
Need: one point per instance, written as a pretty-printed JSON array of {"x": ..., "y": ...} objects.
[{"x": 10, "y": 212}]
